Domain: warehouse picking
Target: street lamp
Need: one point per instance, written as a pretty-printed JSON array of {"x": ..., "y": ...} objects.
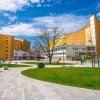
[
  {"x": 98, "y": 55},
  {"x": 63, "y": 57},
  {"x": 93, "y": 57}
]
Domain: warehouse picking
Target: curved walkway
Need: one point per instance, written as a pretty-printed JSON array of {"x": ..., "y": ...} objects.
[{"x": 14, "y": 86}]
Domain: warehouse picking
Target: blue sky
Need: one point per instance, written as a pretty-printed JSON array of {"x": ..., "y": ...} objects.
[{"x": 25, "y": 18}]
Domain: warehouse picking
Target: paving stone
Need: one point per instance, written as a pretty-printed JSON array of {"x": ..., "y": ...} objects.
[{"x": 14, "y": 86}]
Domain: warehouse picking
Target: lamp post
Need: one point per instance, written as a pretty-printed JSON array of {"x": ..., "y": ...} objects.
[
  {"x": 63, "y": 57},
  {"x": 17, "y": 56},
  {"x": 93, "y": 58},
  {"x": 98, "y": 62},
  {"x": 64, "y": 47},
  {"x": 98, "y": 57}
]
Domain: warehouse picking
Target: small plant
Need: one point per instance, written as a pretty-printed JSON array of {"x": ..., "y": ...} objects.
[{"x": 87, "y": 57}]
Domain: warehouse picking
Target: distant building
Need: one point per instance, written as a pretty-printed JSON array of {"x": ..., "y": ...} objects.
[
  {"x": 21, "y": 55},
  {"x": 21, "y": 49},
  {"x": 9, "y": 45}
]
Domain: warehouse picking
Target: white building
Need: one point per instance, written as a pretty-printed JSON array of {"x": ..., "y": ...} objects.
[
  {"x": 20, "y": 55},
  {"x": 68, "y": 52}
]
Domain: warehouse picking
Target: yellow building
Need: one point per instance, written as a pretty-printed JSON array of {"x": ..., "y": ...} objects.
[
  {"x": 8, "y": 44},
  {"x": 87, "y": 36},
  {"x": 81, "y": 37}
]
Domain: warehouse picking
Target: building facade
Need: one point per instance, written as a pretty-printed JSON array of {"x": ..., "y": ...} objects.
[
  {"x": 8, "y": 46},
  {"x": 87, "y": 36}
]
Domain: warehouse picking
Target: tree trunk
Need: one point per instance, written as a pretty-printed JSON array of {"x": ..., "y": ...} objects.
[{"x": 50, "y": 60}]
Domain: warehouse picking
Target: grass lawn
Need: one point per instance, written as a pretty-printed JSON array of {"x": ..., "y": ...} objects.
[
  {"x": 47, "y": 63},
  {"x": 13, "y": 65},
  {"x": 78, "y": 77}
]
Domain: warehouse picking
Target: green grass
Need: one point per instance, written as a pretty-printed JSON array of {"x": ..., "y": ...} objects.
[
  {"x": 78, "y": 77},
  {"x": 47, "y": 63},
  {"x": 13, "y": 65}
]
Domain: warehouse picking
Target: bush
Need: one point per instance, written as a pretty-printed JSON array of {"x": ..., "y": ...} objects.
[
  {"x": 40, "y": 65},
  {"x": 89, "y": 58}
]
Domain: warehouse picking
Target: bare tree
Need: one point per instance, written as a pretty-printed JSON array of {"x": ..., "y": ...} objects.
[
  {"x": 36, "y": 49},
  {"x": 48, "y": 40}
]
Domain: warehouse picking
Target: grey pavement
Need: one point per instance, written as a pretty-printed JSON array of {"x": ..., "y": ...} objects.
[
  {"x": 75, "y": 63},
  {"x": 14, "y": 86}
]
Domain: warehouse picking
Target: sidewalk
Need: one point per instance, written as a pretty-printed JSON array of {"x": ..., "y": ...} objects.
[{"x": 14, "y": 86}]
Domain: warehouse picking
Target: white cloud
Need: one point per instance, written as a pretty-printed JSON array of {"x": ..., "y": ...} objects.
[
  {"x": 39, "y": 5},
  {"x": 68, "y": 22},
  {"x": 98, "y": 8},
  {"x": 35, "y": 1},
  {"x": 42, "y": 1},
  {"x": 98, "y": 14},
  {"x": 48, "y": 5},
  {"x": 21, "y": 29},
  {"x": 14, "y": 5},
  {"x": 10, "y": 17},
  {"x": 98, "y": 5}
]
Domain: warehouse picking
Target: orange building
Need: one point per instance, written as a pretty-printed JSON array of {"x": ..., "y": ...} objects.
[
  {"x": 8, "y": 44},
  {"x": 22, "y": 44},
  {"x": 25, "y": 45},
  {"x": 17, "y": 44}
]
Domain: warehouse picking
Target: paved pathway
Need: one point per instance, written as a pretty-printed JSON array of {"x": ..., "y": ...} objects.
[{"x": 14, "y": 86}]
